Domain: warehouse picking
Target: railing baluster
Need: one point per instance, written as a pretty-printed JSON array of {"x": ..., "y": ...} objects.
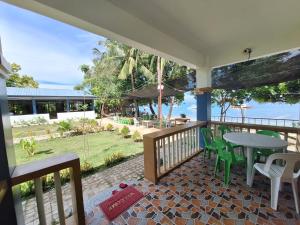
[
  {"x": 188, "y": 142},
  {"x": 158, "y": 156},
  {"x": 59, "y": 199},
  {"x": 298, "y": 141},
  {"x": 177, "y": 148},
  {"x": 181, "y": 146},
  {"x": 164, "y": 153},
  {"x": 76, "y": 193},
  {"x": 173, "y": 150},
  {"x": 184, "y": 142},
  {"x": 197, "y": 139},
  {"x": 191, "y": 138},
  {"x": 169, "y": 153},
  {"x": 194, "y": 140},
  {"x": 39, "y": 200}
]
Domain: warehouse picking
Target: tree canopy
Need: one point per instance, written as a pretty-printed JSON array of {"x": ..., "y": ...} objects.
[
  {"x": 17, "y": 80},
  {"x": 120, "y": 69}
]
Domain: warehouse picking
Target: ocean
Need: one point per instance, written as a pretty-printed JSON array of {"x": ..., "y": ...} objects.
[{"x": 258, "y": 110}]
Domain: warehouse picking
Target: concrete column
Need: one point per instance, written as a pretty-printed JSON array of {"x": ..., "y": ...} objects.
[
  {"x": 68, "y": 105},
  {"x": 203, "y": 96},
  {"x": 34, "y": 109}
]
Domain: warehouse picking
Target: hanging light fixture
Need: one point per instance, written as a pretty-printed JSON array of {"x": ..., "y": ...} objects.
[{"x": 248, "y": 51}]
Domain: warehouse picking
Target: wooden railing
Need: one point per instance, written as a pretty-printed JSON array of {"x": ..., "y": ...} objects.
[
  {"x": 36, "y": 170},
  {"x": 290, "y": 134},
  {"x": 167, "y": 149},
  {"x": 259, "y": 121}
]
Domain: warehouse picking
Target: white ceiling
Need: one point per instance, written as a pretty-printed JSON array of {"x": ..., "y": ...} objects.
[
  {"x": 194, "y": 32},
  {"x": 211, "y": 24}
]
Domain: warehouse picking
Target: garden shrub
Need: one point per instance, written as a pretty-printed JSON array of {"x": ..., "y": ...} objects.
[
  {"x": 64, "y": 126},
  {"x": 125, "y": 131},
  {"x": 109, "y": 127},
  {"x": 114, "y": 159},
  {"x": 27, "y": 188},
  {"x": 86, "y": 167},
  {"x": 29, "y": 146},
  {"x": 87, "y": 126},
  {"x": 136, "y": 136},
  {"x": 40, "y": 120}
]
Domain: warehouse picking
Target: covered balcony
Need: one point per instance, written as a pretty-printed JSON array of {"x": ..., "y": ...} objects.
[{"x": 177, "y": 180}]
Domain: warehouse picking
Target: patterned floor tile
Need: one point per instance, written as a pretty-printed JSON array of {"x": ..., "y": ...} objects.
[{"x": 192, "y": 195}]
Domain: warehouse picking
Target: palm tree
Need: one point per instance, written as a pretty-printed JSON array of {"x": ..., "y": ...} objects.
[{"x": 129, "y": 68}]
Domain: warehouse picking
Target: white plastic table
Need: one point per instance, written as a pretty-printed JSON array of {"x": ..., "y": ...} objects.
[{"x": 251, "y": 141}]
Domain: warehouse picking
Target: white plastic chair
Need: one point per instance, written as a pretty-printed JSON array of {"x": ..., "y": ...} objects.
[{"x": 278, "y": 174}]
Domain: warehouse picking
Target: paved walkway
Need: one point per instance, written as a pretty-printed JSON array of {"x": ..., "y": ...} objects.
[{"x": 92, "y": 185}]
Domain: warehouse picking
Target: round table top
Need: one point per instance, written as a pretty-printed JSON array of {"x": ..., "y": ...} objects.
[{"x": 255, "y": 140}]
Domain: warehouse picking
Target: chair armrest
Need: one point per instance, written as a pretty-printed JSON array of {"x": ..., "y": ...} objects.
[{"x": 282, "y": 156}]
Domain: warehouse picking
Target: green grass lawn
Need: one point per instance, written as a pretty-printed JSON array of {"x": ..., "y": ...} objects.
[
  {"x": 34, "y": 130},
  {"x": 101, "y": 145}
]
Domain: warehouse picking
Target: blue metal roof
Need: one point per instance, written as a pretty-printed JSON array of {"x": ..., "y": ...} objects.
[{"x": 44, "y": 92}]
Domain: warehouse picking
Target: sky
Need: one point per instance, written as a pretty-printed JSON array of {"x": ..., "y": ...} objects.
[
  {"x": 52, "y": 52},
  {"x": 46, "y": 49}
]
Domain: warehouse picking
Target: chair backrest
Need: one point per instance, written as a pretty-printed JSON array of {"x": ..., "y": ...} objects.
[
  {"x": 221, "y": 146},
  {"x": 269, "y": 133},
  {"x": 290, "y": 161},
  {"x": 224, "y": 129},
  {"x": 207, "y": 135}
]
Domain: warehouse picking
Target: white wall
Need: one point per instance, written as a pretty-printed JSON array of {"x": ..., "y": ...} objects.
[
  {"x": 18, "y": 119},
  {"x": 76, "y": 115}
]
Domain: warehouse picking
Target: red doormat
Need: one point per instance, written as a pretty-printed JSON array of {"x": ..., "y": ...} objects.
[{"x": 120, "y": 202}]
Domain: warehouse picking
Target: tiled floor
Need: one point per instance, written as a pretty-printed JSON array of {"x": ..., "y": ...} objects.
[{"x": 191, "y": 195}]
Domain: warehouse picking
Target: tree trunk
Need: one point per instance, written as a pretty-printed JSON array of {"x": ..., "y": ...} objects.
[
  {"x": 222, "y": 114},
  {"x": 102, "y": 110},
  {"x": 171, "y": 108},
  {"x": 159, "y": 80},
  {"x": 243, "y": 115},
  {"x": 151, "y": 108},
  {"x": 136, "y": 107}
]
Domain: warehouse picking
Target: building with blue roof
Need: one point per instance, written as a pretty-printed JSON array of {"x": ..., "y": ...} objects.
[{"x": 36, "y": 101}]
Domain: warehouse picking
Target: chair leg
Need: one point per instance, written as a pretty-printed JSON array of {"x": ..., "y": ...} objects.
[
  {"x": 252, "y": 176},
  {"x": 217, "y": 165},
  {"x": 227, "y": 172},
  {"x": 295, "y": 192},
  {"x": 275, "y": 185}
]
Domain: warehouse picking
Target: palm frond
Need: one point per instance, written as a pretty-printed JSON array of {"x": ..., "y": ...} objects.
[
  {"x": 131, "y": 64},
  {"x": 124, "y": 71},
  {"x": 147, "y": 73}
]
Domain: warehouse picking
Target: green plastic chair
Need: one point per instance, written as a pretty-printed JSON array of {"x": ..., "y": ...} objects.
[
  {"x": 226, "y": 129},
  {"x": 266, "y": 152},
  {"x": 226, "y": 154},
  {"x": 209, "y": 142}
]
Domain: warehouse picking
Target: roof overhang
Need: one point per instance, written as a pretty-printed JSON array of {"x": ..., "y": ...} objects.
[
  {"x": 45, "y": 98},
  {"x": 4, "y": 65},
  {"x": 191, "y": 32}
]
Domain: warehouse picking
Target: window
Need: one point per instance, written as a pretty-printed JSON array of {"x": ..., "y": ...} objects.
[
  {"x": 78, "y": 105},
  {"x": 22, "y": 107}
]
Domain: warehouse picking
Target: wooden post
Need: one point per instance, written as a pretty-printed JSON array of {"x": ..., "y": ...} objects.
[
  {"x": 298, "y": 142},
  {"x": 150, "y": 161},
  {"x": 59, "y": 198},
  {"x": 39, "y": 200}
]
